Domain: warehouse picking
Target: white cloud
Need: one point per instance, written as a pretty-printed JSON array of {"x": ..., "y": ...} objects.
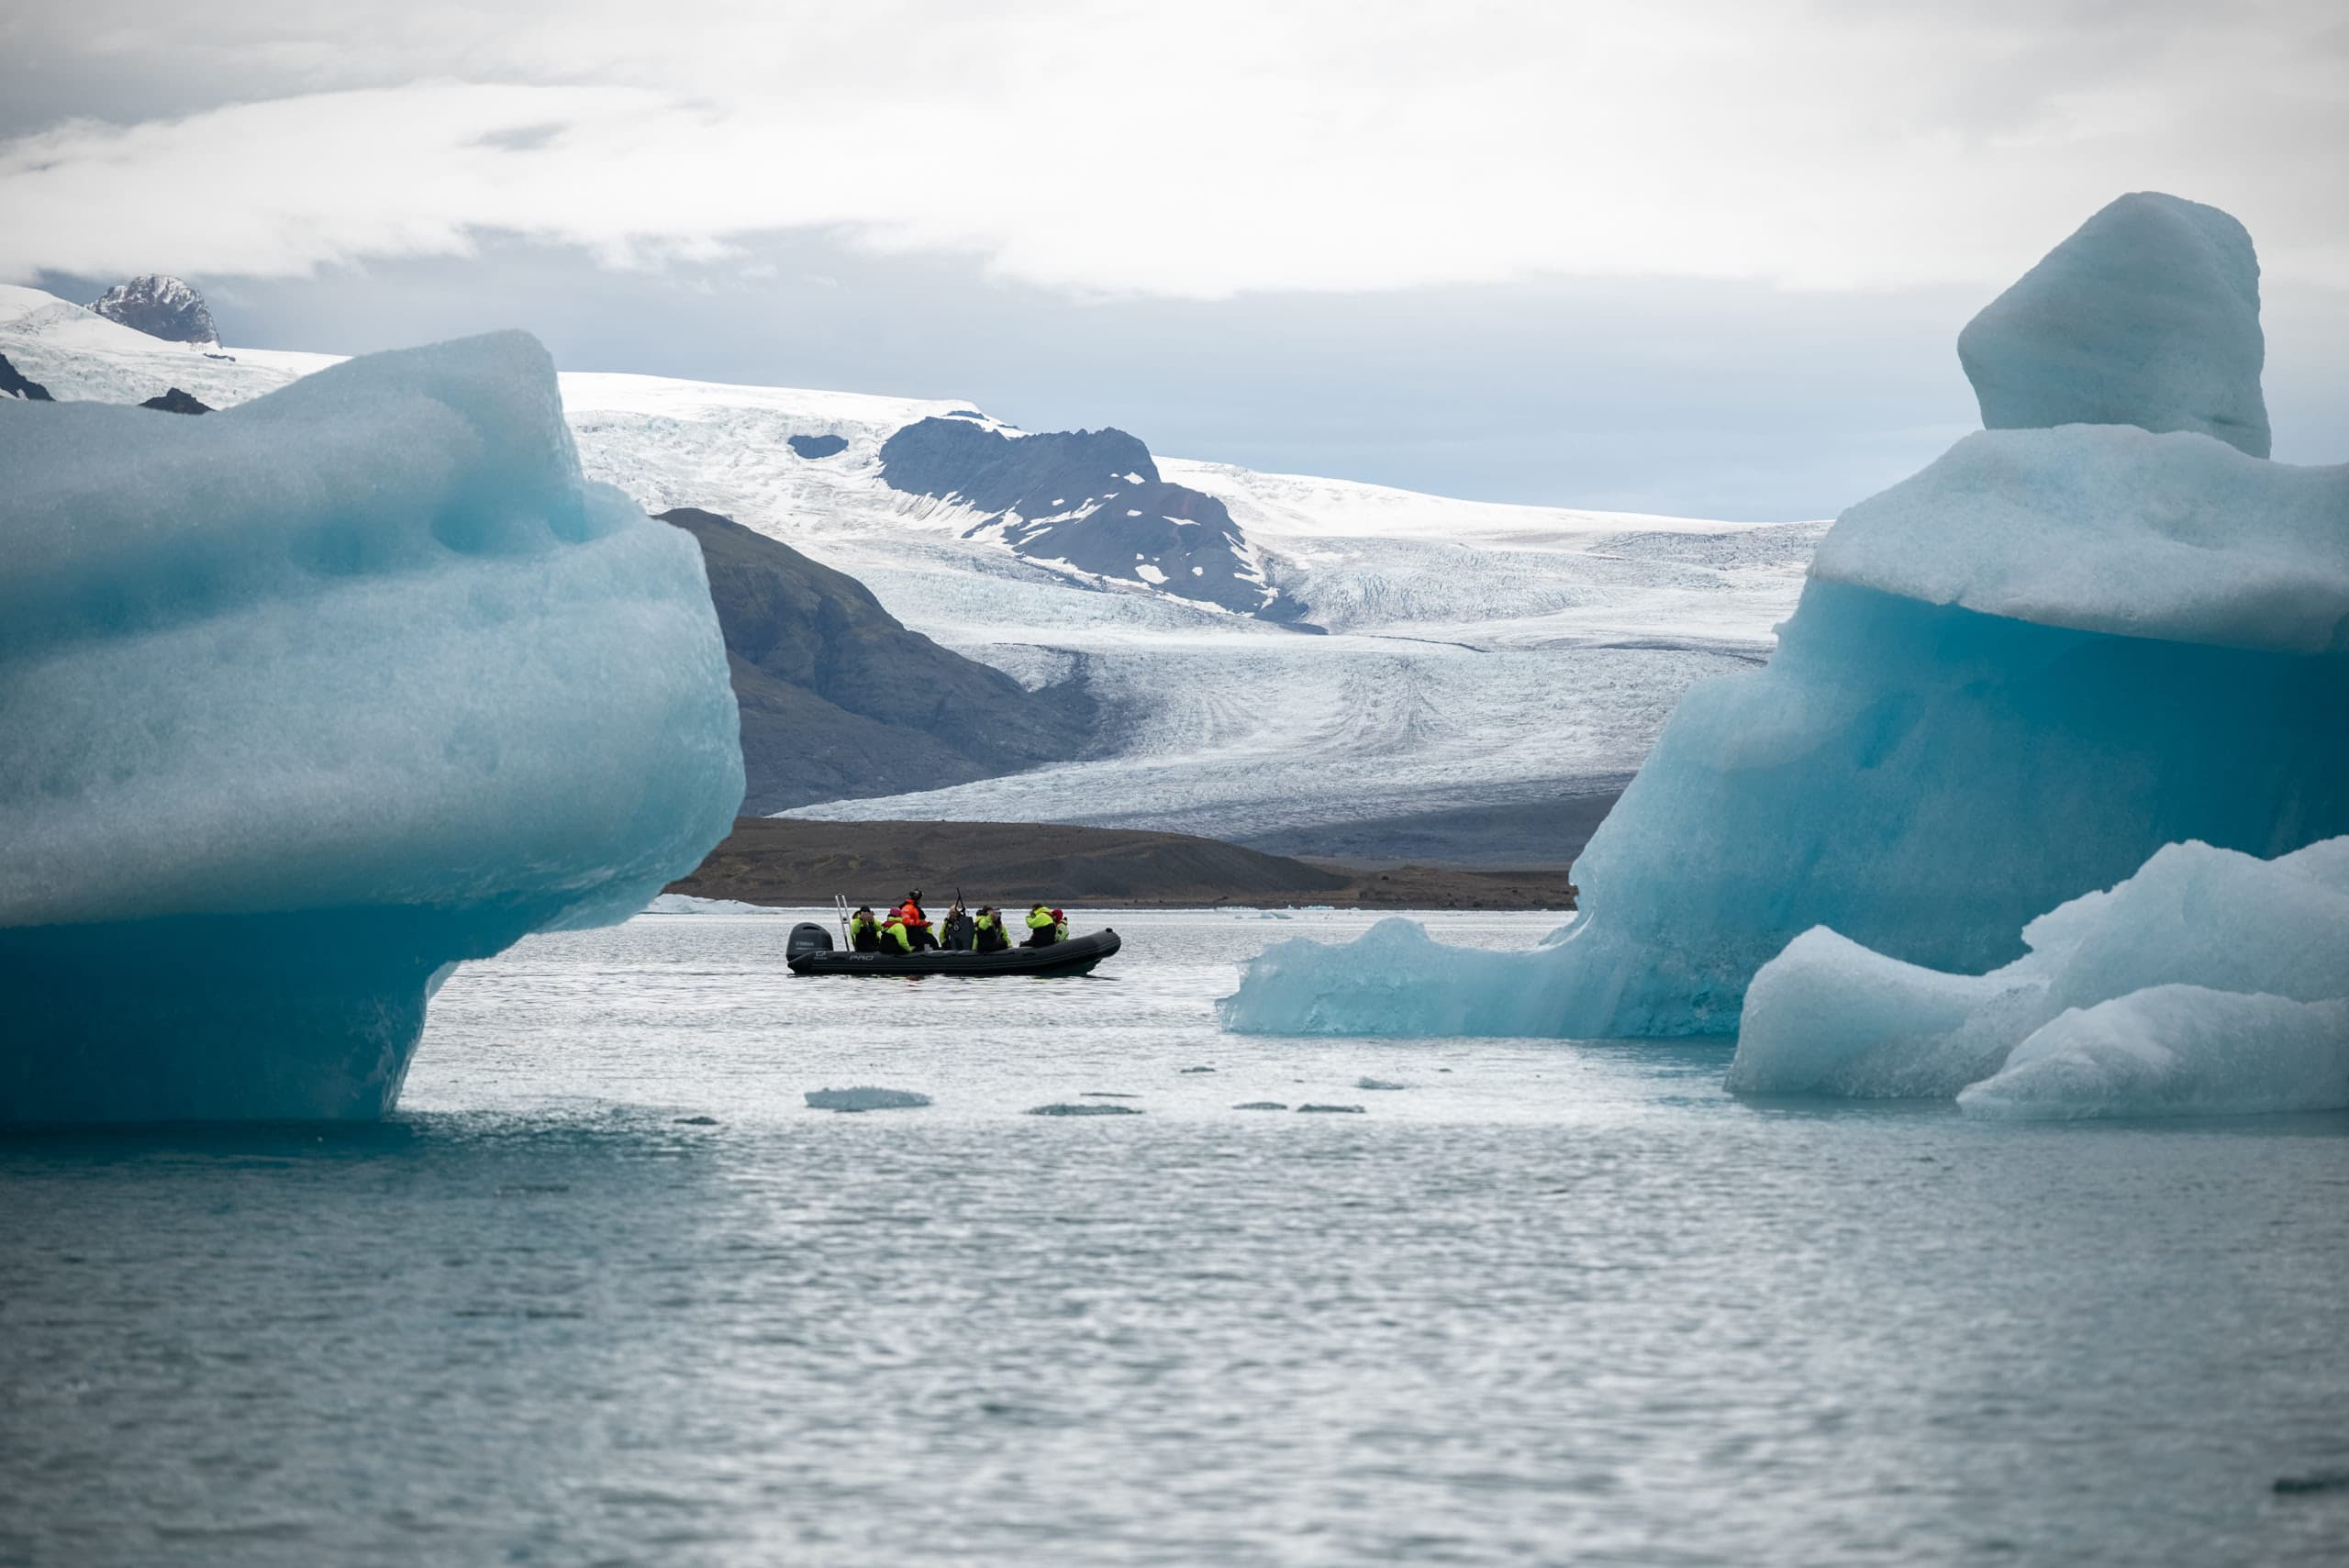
[{"x": 1198, "y": 148}]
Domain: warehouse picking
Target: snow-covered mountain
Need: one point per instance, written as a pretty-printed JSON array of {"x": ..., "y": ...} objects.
[
  {"x": 1466, "y": 671},
  {"x": 1091, "y": 503},
  {"x": 160, "y": 306}
]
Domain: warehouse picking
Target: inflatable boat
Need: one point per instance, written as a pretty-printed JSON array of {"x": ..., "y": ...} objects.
[{"x": 810, "y": 951}]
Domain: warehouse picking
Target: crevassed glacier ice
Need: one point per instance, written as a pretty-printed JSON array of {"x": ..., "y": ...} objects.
[
  {"x": 307, "y": 700},
  {"x": 2210, "y": 982},
  {"x": 2010, "y": 679}
]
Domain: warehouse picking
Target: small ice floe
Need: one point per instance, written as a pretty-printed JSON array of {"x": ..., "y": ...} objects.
[
  {"x": 1198, "y": 1070},
  {"x": 2313, "y": 1482},
  {"x": 1377, "y": 1084},
  {"x": 865, "y": 1098},
  {"x": 1260, "y": 1105},
  {"x": 1105, "y": 1094},
  {"x": 697, "y": 1121},
  {"x": 1064, "y": 1109},
  {"x": 1333, "y": 1110},
  {"x": 687, "y": 903}
]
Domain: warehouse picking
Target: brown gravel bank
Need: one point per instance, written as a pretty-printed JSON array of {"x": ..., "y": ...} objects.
[{"x": 783, "y": 861}]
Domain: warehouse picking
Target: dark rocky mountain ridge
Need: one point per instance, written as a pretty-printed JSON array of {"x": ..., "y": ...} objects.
[
  {"x": 15, "y": 383},
  {"x": 840, "y": 699},
  {"x": 174, "y": 401},
  {"x": 1092, "y": 498}
]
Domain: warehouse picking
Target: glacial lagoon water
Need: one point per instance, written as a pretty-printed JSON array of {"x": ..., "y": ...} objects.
[{"x": 606, "y": 1290}]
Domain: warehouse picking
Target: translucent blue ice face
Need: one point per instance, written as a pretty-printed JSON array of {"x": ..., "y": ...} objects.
[{"x": 307, "y": 700}]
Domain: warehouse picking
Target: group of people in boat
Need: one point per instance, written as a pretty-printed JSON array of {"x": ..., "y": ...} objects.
[{"x": 906, "y": 928}]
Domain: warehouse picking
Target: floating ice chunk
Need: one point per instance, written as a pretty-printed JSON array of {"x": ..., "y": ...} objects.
[
  {"x": 865, "y": 1098},
  {"x": 688, "y": 904},
  {"x": 2010, "y": 680},
  {"x": 2312, "y": 1482},
  {"x": 1333, "y": 1110},
  {"x": 2205, "y": 917},
  {"x": 309, "y": 700},
  {"x": 2148, "y": 315},
  {"x": 2176, "y": 1050},
  {"x": 1394, "y": 980},
  {"x": 1828, "y": 1017},
  {"x": 1922, "y": 779},
  {"x": 1260, "y": 1105},
  {"x": 1066, "y": 1109},
  {"x": 2210, "y": 982},
  {"x": 1377, "y": 1083}
]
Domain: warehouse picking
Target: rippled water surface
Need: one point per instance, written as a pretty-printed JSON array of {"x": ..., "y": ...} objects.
[{"x": 1543, "y": 1303}]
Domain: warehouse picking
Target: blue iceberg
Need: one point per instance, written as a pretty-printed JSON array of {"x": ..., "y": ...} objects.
[
  {"x": 2010, "y": 680},
  {"x": 2209, "y": 983},
  {"x": 309, "y": 700},
  {"x": 2148, "y": 315}
]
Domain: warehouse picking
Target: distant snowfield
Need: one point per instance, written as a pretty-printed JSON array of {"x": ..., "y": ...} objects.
[{"x": 1480, "y": 655}]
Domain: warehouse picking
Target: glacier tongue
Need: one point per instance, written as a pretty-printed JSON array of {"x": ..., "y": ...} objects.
[
  {"x": 2010, "y": 680},
  {"x": 311, "y": 699}
]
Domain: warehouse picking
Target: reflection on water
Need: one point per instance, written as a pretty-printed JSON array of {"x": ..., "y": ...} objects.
[{"x": 1545, "y": 1302}]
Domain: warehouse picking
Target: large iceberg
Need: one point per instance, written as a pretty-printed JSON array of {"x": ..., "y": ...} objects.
[
  {"x": 2210, "y": 982},
  {"x": 2010, "y": 681},
  {"x": 307, "y": 701}
]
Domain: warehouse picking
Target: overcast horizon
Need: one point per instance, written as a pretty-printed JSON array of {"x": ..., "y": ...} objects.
[{"x": 1708, "y": 260}]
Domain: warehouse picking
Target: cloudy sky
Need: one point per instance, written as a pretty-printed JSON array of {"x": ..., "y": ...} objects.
[{"x": 1684, "y": 256}]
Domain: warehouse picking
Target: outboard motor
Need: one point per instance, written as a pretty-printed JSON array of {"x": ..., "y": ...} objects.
[{"x": 805, "y": 938}]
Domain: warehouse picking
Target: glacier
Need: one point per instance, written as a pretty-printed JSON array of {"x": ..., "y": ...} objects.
[
  {"x": 2009, "y": 680},
  {"x": 308, "y": 701},
  {"x": 2210, "y": 982},
  {"x": 1479, "y": 654}
]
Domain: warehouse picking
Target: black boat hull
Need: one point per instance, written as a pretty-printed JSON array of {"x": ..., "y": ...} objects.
[{"x": 1075, "y": 956}]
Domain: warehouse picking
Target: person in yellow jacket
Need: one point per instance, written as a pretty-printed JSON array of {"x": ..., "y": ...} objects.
[
  {"x": 894, "y": 938},
  {"x": 863, "y": 931},
  {"x": 986, "y": 931},
  {"x": 1043, "y": 929}
]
